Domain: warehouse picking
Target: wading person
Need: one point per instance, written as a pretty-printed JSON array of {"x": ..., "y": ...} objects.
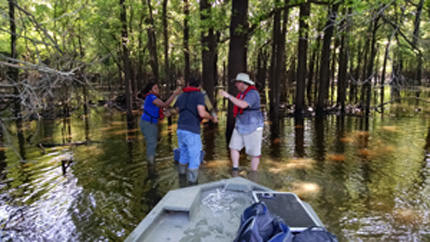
[
  {"x": 152, "y": 113},
  {"x": 191, "y": 107},
  {"x": 248, "y": 131}
]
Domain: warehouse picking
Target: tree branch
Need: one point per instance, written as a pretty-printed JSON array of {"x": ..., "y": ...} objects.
[
  {"x": 33, "y": 19},
  {"x": 403, "y": 35}
]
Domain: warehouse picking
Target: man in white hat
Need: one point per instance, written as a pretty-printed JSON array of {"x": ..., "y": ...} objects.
[{"x": 248, "y": 131}]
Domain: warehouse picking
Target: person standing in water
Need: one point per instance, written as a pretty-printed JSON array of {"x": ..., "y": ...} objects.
[
  {"x": 191, "y": 107},
  {"x": 152, "y": 113},
  {"x": 248, "y": 131}
]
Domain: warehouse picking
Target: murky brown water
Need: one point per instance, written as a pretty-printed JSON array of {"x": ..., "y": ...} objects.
[{"x": 366, "y": 179}]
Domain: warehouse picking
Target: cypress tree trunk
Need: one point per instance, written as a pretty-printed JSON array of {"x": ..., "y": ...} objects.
[
  {"x": 208, "y": 40},
  {"x": 274, "y": 75},
  {"x": 281, "y": 53},
  {"x": 325, "y": 60},
  {"x": 302, "y": 57},
  {"x": 384, "y": 67},
  {"x": 343, "y": 66},
  {"x": 333, "y": 70},
  {"x": 152, "y": 42},
  {"x": 311, "y": 74},
  {"x": 186, "y": 41},
  {"x": 166, "y": 46},
  {"x": 262, "y": 67},
  {"x": 317, "y": 70},
  {"x": 278, "y": 67},
  {"x": 418, "y": 71},
  {"x": 364, "y": 70},
  {"x": 353, "y": 86},
  {"x": 13, "y": 72},
  {"x": 237, "y": 53},
  {"x": 126, "y": 60},
  {"x": 369, "y": 75}
]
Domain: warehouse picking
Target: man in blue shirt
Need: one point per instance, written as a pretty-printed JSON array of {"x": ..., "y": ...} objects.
[
  {"x": 248, "y": 131},
  {"x": 191, "y": 108}
]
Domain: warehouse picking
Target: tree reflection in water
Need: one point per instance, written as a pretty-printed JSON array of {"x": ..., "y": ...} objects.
[{"x": 366, "y": 178}]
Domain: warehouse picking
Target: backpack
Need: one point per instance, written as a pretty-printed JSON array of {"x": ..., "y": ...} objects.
[
  {"x": 315, "y": 234},
  {"x": 257, "y": 224}
]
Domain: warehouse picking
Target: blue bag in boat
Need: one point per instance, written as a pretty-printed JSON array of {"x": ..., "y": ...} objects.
[
  {"x": 257, "y": 224},
  {"x": 315, "y": 234}
]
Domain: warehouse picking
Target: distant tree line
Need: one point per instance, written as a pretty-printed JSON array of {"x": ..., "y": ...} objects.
[{"x": 316, "y": 57}]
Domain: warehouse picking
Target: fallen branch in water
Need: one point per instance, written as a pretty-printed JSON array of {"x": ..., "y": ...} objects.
[
  {"x": 376, "y": 107},
  {"x": 43, "y": 146}
]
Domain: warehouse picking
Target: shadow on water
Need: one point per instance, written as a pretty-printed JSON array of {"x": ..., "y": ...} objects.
[
  {"x": 366, "y": 178},
  {"x": 319, "y": 139},
  {"x": 209, "y": 132},
  {"x": 299, "y": 129}
]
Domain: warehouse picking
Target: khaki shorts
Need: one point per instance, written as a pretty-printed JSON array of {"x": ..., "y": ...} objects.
[{"x": 251, "y": 142}]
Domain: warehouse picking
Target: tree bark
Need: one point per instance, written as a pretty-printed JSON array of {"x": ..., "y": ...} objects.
[
  {"x": 353, "y": 85},
  {"x": 416, "y": 33},
  {"x": 208, "y": 40},
  {"x": 237, "y": 53},
  {"x": 13, "y": 72},
  {"x": 369, "y": 76},
  {"x": 333, "y": 70},
  {"x": 325, "y": 60},
  {"x": 311, "y": 72},
  {"x": 152, "y": 42},
  {"x": 13, "y": 75},
  {"x": 343, "y": 67},
  {"x": 384, "y": 67},
  {"x": 302, "y": 57},
  {"x": 282, "y": 54},
  {"x": 274, "y": 74},
  {"x": 126, "y": 60},
  {"x": 186, "y": 41},
  {"x": 166, "y": 45},
  {"x": 262, "y": 68}
]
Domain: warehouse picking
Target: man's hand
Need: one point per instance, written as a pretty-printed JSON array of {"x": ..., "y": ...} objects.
[
  {"x": 177, "y": 91},
  {"x": 224, "y": 94}
]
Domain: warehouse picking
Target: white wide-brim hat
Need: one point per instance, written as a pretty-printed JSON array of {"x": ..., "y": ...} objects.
[{"x": 243, "y": 77}]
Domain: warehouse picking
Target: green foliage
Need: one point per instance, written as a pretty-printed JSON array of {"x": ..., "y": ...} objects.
[{"x": 89, "y": 32}]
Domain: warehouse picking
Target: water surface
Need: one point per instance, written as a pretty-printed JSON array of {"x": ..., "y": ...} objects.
[{"x": 366, "y": 179}]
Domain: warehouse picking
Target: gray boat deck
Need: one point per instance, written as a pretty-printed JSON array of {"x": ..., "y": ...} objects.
[{"x": 207, "y": 212}]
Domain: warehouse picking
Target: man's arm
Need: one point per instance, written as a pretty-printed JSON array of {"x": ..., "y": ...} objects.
[
  {"x": 203, "y": 114},
  {"x": 240, "y": 103},
  {"x": 159, "y": 103}
]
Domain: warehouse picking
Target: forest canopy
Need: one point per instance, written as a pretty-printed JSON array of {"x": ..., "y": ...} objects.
[{"x": 312, "y": 56}]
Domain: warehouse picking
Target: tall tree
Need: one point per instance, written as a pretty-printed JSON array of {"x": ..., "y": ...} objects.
[
  {"x": 325, "y": 59},
  {"x": 126, "y": 60},
  {"x": 302, "y": 56},
  {"x": 186, "y": 40},
  {"x": 415, "y": 44},
  {"x": 152, "y": 42},
  {"x": 312, "y": 68},
  {"x": 208, "y": 39},
  {"x": 166, "y": 44},
  {"x": 369, "y": 76},
  {"x": 274, "y": 73},
  {"x": 278, "y": 64},
  {"x": 13, "y": 72},
  {"x": 343, "y": 64},
  {"x": 237, "y": 53}
]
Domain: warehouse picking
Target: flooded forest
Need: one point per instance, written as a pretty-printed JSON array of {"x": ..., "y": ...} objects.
[{"x": 344, "y": 87}]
